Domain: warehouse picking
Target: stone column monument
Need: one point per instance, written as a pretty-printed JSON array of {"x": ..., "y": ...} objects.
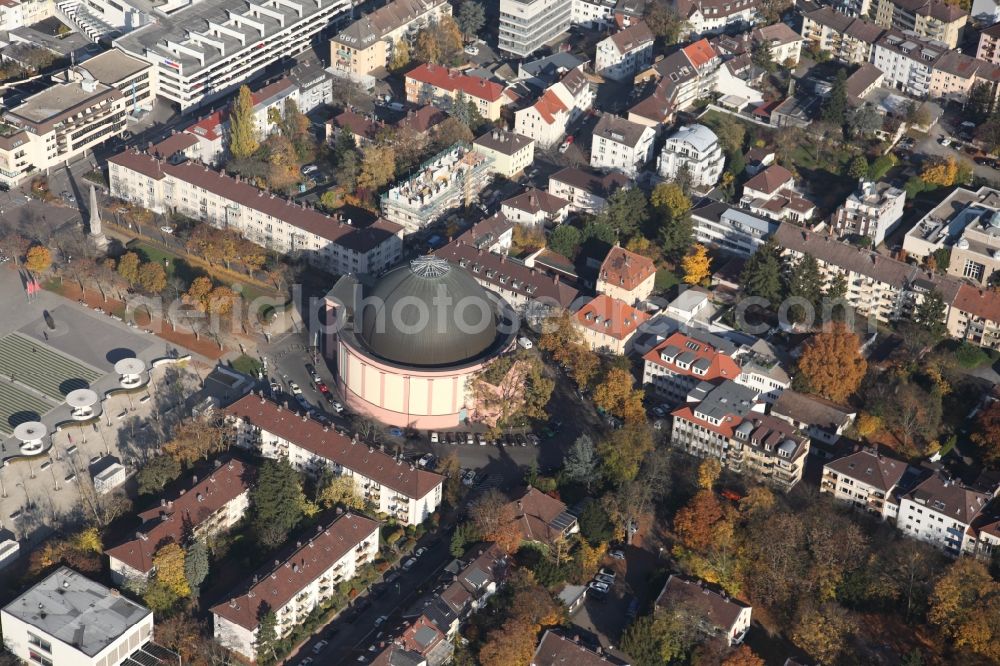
[{"x": 97, "y": 236}]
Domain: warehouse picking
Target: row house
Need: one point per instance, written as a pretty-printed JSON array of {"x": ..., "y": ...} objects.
[
  {"x": 621, "y": 145},
  {"x": 622, "y": 54},
  {"x": 608, "y": 324},
  {"x": 443, "y": 87},
  {"x": 298, "y": 584},
  {"x": 930, "y": 19},
  {"x": 545, "y": 121},
  {"x": 397, "y": 489},
  {"x": 866, "y": 479},
  {"x": 172, "y": 183},
  {"x": 586, "y": 191},
  {"x": 847, "y": 39},
  {"x": 368, "y": 44},
  {"x": 201, "y": 509},
  {"x": 871, "y": 211},
  {"x": 717, "y": 614},
  {"x": 535, "y": 208},
  {"x": 772, "y": 193}
]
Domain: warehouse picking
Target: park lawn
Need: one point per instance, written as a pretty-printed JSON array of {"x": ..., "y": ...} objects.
[{"x": 248, "y": 365}]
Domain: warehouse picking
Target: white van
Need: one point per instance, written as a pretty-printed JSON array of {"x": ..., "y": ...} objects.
[{"x": 525, "y": 343}]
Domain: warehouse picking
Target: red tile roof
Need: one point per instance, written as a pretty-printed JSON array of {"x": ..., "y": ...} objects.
[
  {"x": 171, "y": 523},
  {"x": 700, "y": 53},
  {"x": 610, "y": 316},
  {"x": 309, "y": 561},
  {"x": 329, "y": 444},
  {"x": 626, "y": 269},
  {"x": 453, "y": 80},
  {"x": 549, "y": 105},
  {"x": 536, "y": 514},
  {"x": 984, "y": 303},
  {"x": 722, "y": 366}
]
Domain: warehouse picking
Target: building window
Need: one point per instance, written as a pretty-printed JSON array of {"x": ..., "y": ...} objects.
[
  {"x": 973, "y": 270},
  {"x": 39, "y": 659},
  {"x": 39, "y": 643}
]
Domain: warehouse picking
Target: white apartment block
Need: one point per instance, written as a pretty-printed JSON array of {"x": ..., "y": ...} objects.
[
  {"x": 69, "y": 620},
  {"x": 621, "y": 55},
  {"x": 940, "y": 511},
  {"x": 907, "y": 61},
  {"x": 307, "y": 578},
  {"x": 528, "y": 25},
  {"x": 696, "y": 149},
  {"x": 546, "y": 120},
  {"x": 396, "y": 488},
  {"x": 848, "y": 39},
  {"x": 204, "y": 50},
  {"x": 181, "y": 185},
  {"x": 705, "y": 17},
  {"x": 866, "y": 479},
  {"x": 871, "y": 211},
  {"x": 730, "y": 229},
  {"x": 621, "y": 145},
  {"x": 593, "y": 13}
]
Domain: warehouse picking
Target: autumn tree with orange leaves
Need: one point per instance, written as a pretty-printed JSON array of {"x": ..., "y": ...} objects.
[
  {"x": 532, "y": 609},
  {"x": 831, "y": 364},
  {"x": 743, "y": 656},
  {"x": 695, "y": 523},
  {"x": 495, "y": 518},
  {"x": 987, "y": 432}
]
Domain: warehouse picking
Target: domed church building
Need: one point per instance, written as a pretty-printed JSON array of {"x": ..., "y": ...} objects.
[{"x": 407, "y": 346}]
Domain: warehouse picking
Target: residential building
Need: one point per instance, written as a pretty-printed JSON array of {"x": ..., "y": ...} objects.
[
  {"x": 620, "y": 55},
  {"x": 963, "y": 224},
  {"x": 867, "y": 479},
  {"x": 368, "y": 44},
  {"x": 535, "y": 208},
  {"x": 626, "y": 276},
  {"x": 522, "y": 287},
  {"x": 847, "y": 39},
  {"x": 476, "y": 582},
  {"x": 443, "y": 87},
  {"x": 863, "y": 82},
  {"x": 718, "y": 615},
  {"x": 548, "y": 70},
  {"x": 689, "y": 305},
  {"x": 509, "y": 152},
  {"x": 528, "y": 25},
  {"x": 450, "y": 179},
  {"x": 494, "y": 234},
  {"x": 396, "y": 655},
  {"x": 907, "y": 60},
  {"x": 768, "y": 449},
  {"x": 989, "y": 44},
  {"x": 166, "y": 183},
  {"x": 400, "y": 490},
  {"x": 784, "y": 43},
  {"x": 426, "y": 639},
  {"x": 940, "y": 511},
  {"x": 304, "y": 580},
  {"x": 593, "y": 13},
  {"x": 608, "y": 324},
  {"x": 877, "y": 286},
  {"x": 772, "y": 193},
  {"x": 974, "y": 316},
  {"x": 618, "y": 144},
  {"x": 693, "y": 149},
  {"x": 542, "y": 519},
  {"x": 871, "y": 211},
  {"x": 684, "y": 360},
  {"x": 586, "y": 191},
  {"x": 706, "y": 17},
  {"x": 821, "y": 419},
  {"x": 931, "y": 19},
  {"x": 67, "y": 618},
  {"x": 363, "y": 130},
  {"x": 557, "y": 650},
  {"x": 200, "y": 510},
  {"x": 204, "y": 50},
  {"x": 546, "y": 119},
  {"x": 762, "y": 371},
  {"x": 730, "y": 229}
]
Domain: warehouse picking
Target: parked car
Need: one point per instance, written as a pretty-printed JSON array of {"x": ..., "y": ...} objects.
[
  {"x": 434, "y": 438},
  {"x": 419, "y": 551},
  {"x": 408, "y": 564},
  {"x": 617, "y": 554},
  {"x": 470, "y": 438},
  {"x": 319, "y": 646},
  {"x": 468, "y": 478},
  {"x": 425, "y": 460},
  {"x": 607, "y": 571},
  {"x": 167, "y": 229},
  {"x": 603, "y": 578},
  {"x": 599, "y": 587},
  {"x": 302, "y": 400},
  {"x": 658, "y": 411},
  {"x": 472, "y": 49},
  {"x": 945, "y": 141},
  {"x": 309, "y": 168},
  {"x": 337, "y": 407},
  {"x": 294, "y": 388},
  {"x": 524, "y": 343},
  {"x": 380, "y": 620}
]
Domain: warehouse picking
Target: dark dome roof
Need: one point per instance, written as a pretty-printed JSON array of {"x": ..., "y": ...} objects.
[{"x": 428, "y": 289}]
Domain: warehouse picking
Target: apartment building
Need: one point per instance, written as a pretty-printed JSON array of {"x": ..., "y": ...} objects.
[
  {"x": 877, "y": 286},
  {"x": 761, "y": 370},
  {"x": 719, "y": 615},
  {"x": 871, "y": 211},
  {"x": 203, "y": 51},
  {"x": 784, "y": 43},
  {"x": 535, "y": 208},
  {"x": 707, "y": 17},
  {"x": 989, "y": 44},
  {"x": 820, "y": 419},
  {"x": 397, "y": 489},
  {"x": 201, "y": 510},
  {"x": 368, "y": 44},
  {"x": 620, "y": 55},
  {"x": 693, "y": 149},
  {"x": 177, "y": 184},
  {"x": 306, "y": 578},
  {"x": 940, "y": 511},
  {"x": 586, "y": 191},
  {"x": 846, "y": 38},
  {"x": 730, "y": 229},
  {"x": 67, "y": 618},
  {"x": 626, "y": 276},
  {"x": 620, "y": 145},
  {"x": 768, "y": 449},
  {"x": 608, "y": 324},
  {"x": 593, "y": 13},
  {"x": 974, "y": 316},
  {"x": 494, "y": 234},
  {"x": 443, "y": 87},
  {"x": 704, "y": 425},
  {"x": 907, "y": 60},
  {"x": 930, "y": 19},
  {"x": 509, "y": 152},
  {"x": 867, "y": 479},
  {"x": 772, "y": 193},
  {"x": 528, "y": 25},
  {"x": 450, "y": 179},
  {"x": 546, "y": 119},
  {"x": 684, "y": 360}
]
